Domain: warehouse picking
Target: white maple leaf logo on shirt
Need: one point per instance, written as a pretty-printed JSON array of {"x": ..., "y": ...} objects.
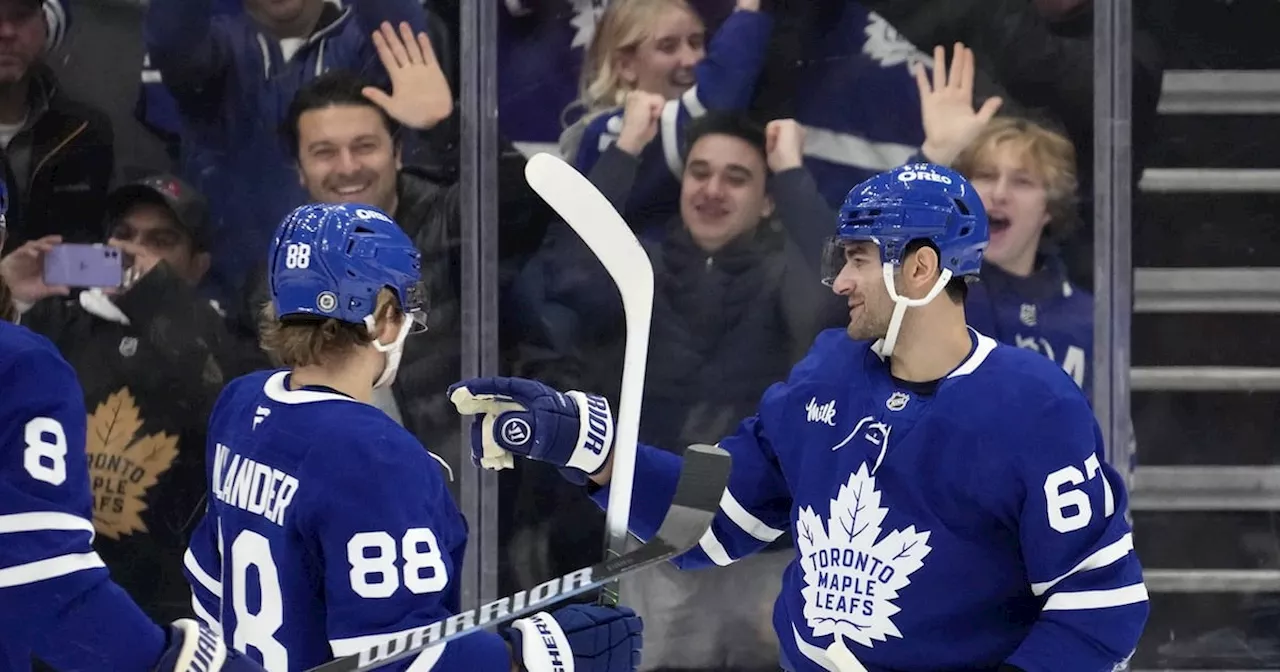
[
  {"x": 586, "y": 13},
  {"x": 888, "y": 47},
  {"x": 852, "y": 575}
]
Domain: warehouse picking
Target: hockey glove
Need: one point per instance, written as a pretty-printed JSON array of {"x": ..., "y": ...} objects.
[
  {"x": 195, "y": 648},
  {"x": 578, "y": 638},
  {"x": 572, "y": 430}
]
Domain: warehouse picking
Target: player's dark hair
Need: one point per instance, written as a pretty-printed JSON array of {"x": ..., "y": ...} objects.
[
  {"x": 727, "y": 123},
  {"x": 335, "y": 87},
  {"x": 957, "y": 288},
  {"x": 305, "y": 340}
]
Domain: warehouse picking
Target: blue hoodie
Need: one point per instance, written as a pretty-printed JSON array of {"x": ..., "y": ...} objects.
[{"x": 233, "y": 86}]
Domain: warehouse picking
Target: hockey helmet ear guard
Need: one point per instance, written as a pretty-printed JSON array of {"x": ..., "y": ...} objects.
[{"x": 916, "y": 201}]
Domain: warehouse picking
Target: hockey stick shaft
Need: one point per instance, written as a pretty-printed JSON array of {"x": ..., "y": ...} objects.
[
  {"x": 703, "y": 477},
  {"x": 606, "y": 233}
]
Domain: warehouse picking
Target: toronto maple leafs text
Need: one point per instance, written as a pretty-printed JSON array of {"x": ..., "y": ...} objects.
[
  {"x": 848, "y": 580},
  {"x": 114, "y": 477}
]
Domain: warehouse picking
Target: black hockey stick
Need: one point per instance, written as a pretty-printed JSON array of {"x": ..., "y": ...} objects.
[{"x": 703, "y": 478}]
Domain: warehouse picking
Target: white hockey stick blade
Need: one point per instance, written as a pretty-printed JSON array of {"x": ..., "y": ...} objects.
[
  {"x": 703, "y": 478},
  {"x": 598, "y": 223}
]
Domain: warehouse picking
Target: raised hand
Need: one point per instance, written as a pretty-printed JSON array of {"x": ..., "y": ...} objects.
[
  {"x": 640, "y": 116},
  {"x": 784, "y": 144},
  {"x": 946, "y": 106},
  {"x": 420, "y": 95}
]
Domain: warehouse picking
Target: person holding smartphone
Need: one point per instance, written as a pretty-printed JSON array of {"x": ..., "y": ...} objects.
[{"x": 151, "y": 356}]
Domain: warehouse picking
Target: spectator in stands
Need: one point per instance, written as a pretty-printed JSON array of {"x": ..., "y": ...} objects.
[
  {"x": 657, "y": 47},
  {"x": 737, "y": 303},
  {"x": 58, "y": 154},
  {"x": 152, "y": 358},
  {"x": 345, "y": 136},
  {"x": 1026, "y": 177},
  {"x": 233, "y": 77}
]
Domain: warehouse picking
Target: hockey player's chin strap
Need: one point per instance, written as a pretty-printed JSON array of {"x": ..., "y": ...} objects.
[
  {"x": 392, "y": 350},
  {"x": 884, "y": 347}
]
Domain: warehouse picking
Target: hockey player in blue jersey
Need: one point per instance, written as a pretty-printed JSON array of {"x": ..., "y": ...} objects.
[
  {"x": 947, "y": 495},
  {"x": 328, "y": 525},
  {"x": 57, "y": 600}
]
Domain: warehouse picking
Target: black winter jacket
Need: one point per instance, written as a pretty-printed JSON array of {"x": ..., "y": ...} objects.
[
  {"x": 58, "y": 168},
  {"x": 725, "y": 325}
]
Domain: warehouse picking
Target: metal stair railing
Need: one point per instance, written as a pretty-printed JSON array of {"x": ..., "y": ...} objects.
[{"x": 1216, "y": 290}]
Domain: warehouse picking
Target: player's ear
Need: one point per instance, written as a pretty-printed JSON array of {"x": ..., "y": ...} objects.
[
  {"x": 387, "y": 318},
  {"x": 921, "y": 271}
]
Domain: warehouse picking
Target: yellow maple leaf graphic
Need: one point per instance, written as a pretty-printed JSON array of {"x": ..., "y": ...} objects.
[{"x": 123, "y": 465}]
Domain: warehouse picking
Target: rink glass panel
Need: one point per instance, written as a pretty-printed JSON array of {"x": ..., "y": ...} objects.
[{"x": 528, "y": 524}]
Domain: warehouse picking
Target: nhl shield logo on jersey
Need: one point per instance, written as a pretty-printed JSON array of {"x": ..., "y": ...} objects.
[
  {"x": 897, "y": 401},
  {"x": 852, "y": 573}
]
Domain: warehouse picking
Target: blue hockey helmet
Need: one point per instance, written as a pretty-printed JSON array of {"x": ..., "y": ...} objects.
[
  {"x": 913, "y": 202},
  {"x": 331, "y": 260},
  {"x": 917, "y": 201}
]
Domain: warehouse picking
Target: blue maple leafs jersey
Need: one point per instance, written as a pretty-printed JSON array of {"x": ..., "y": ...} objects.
[
  {"x": 956, "y": 528},
  {"x": 328, "y": 527},
  {"x": 1042, "y": 312},
  {"x": 726, "y": 80},
  {"x": 56, "y": 597}
]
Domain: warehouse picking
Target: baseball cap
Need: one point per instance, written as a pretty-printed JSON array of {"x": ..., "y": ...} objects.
[{"x": 190, "y": 208}]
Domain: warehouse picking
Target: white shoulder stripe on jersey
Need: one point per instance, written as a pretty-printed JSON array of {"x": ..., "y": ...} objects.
[
  {"x": 348, "y": 646},
  {"x": 204, "y": 615},
  {"x": 668, "y": 120},
  {"x": 1100, "y": 558},
  {"x": 985, "y": 346},
  {"x": 1096, "y": 599},
  {"x": 714, "y": 549},
  {"x": 202, "y": 577},
  {"x": 694, "y": 104},
  {"x": 49, "y": 568},
  {"x": 745, "y": 520},
  {"x": 276, "y": 391},
  {"x": 848, "y": 149},
  {"x": 41, "y": 521}
]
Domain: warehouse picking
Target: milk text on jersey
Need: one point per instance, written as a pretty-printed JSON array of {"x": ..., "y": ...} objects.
[
  {"x": 824, "y": 413},
  {"x": 252, "y": 486}
]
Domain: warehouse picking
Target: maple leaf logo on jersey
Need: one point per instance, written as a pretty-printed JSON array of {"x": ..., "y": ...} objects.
[
  {"x": 123, "y": 465},
  {"x": 586, "y": 13},
  {"x": 852, "y": 575},
  {"x": 888, "y": 47}
]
